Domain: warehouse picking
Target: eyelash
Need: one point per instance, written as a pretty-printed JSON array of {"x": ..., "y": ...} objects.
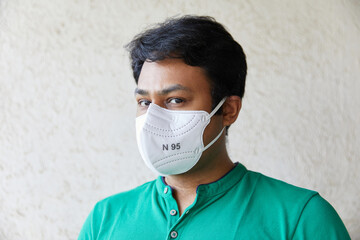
[
  {"x": 143, "y": 101},
  {"x": 170, "y": 99}
]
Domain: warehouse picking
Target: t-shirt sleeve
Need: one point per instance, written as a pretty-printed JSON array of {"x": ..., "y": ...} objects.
[
  {"x": 90, "y": 227},
  {"x": 319, "y": 220}
]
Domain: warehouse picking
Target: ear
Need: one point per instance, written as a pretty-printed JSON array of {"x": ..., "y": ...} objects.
[{"x": 231, "y": 110}]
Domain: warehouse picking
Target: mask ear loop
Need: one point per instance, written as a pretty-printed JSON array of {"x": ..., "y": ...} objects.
[
  {"x": 214, "y": 140},
  {"x": 212, "y": 114},
  {"x": 217, "y": 107}
]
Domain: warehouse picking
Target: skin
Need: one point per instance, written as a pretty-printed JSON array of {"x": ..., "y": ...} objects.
[{"x": 174, "y": 85}]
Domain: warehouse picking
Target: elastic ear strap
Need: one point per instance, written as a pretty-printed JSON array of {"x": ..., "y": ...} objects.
[
  {"x": 217, "y": 107},
  {"x": 214, "y": 140}
]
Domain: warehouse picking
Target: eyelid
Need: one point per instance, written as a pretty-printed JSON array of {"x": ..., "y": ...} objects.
[
  {"x": 172, "y": 98},
  {"x": 142, "y": 100},
  {"x": 175, "y": 98}
]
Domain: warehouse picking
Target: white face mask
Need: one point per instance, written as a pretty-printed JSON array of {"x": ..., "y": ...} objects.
[{"x": 171, "y": 142}]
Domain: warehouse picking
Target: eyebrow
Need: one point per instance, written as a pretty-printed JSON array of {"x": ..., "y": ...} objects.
[{"x": 164, "y": 91}]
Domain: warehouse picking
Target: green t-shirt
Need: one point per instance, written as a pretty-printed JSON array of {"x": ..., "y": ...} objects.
[{"x": 241, "y": 205}]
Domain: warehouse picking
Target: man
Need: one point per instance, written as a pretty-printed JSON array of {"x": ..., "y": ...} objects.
[{"x": 190, "y": 76}]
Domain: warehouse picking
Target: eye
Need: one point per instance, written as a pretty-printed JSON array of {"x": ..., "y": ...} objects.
[
  {"x": 175, "y": 101},
  {"x": 144, "y": 103}
]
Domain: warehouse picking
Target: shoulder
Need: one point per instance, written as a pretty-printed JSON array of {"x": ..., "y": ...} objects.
[
  {"x": 307, "y": 214},
  {"x": 108, "y": 212},
  {"x": 319, "y": 220},
  {"x": 277, "y": 200},
  {"x": 125, "y": 198},
  {"x": 275, "y": 190}
]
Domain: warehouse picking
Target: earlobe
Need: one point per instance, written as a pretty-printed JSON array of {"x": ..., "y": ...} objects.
[{"x": 231, "y": 110}]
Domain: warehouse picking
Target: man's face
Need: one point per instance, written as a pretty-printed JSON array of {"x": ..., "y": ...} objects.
[{"x": 174, "y": 85}]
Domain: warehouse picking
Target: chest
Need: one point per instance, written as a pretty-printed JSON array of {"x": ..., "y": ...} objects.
[{"x": 213, "y": 219}]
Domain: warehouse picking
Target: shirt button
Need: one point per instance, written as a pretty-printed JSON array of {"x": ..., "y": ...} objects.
[
  {"x": 173, "y": 234},
  {"x": 166, "y": 190},
  {"x": 187, "y": 212},
  {"x": 173, "y": 212}
]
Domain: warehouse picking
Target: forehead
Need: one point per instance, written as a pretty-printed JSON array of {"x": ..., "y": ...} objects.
[{"x": 155, "y": 76}]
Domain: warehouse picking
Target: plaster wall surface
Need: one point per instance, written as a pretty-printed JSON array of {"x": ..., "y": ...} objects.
[{"x": 67, "y": 109}]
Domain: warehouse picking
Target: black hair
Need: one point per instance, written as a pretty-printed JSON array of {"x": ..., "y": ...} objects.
[{"x": 199, "y": 41}]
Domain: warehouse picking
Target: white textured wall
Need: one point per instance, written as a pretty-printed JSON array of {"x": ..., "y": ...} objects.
[{"x": 67, "y": 110}]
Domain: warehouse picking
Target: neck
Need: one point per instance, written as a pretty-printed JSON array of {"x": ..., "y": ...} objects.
[
  {"x": 190, "y": 181},
  {"x": 205, "y": 171}
]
